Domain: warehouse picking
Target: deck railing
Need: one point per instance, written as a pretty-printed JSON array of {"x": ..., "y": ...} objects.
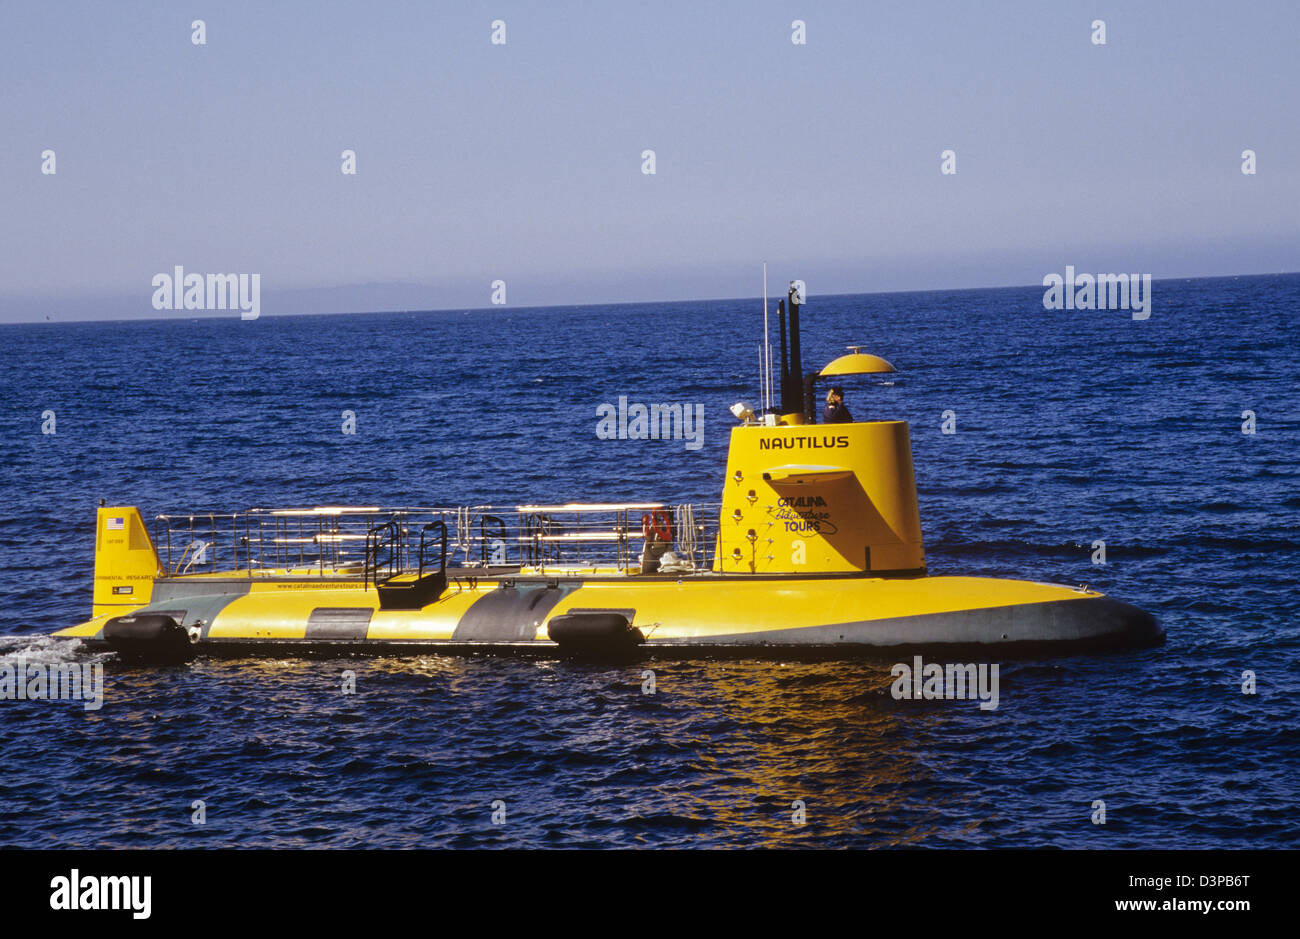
[{"x": 349, "y": 541}]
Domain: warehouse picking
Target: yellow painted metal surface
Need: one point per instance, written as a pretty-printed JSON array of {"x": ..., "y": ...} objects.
[
  {"x": 814, "y": 522},
  {"x": 856, "y": 363},
  {"x": 90, "y": 628},
  {"x": 699, "y": 609},
  {"x": 125, "y": 561},
  {"x": 805, "y": 474},
  {"x": 437, "y": 621}
]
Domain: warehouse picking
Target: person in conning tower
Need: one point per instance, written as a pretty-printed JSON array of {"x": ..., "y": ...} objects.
[{"x": 836, "y": 411}]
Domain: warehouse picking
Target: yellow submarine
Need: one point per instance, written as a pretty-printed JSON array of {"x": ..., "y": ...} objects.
[{"x": 815, "y": 548}]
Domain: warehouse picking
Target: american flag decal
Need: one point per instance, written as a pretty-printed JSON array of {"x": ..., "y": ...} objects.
[{"x": 116, "y": 524}]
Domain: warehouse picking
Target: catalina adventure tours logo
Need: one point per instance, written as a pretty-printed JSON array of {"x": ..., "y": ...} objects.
[
  {"x": 932, "y": 681},
  {"x": 1103, "y": 292},
  {"x": 87, "y": 892},
  {"x": 21, "y": 680},
  {"x": 181, "y": 291}
]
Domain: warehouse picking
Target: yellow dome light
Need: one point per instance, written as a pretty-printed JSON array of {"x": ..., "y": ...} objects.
[{"x": 856, "y": 363}]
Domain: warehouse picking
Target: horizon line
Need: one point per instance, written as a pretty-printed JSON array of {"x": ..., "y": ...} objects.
[{"x": 226, "y": 314}]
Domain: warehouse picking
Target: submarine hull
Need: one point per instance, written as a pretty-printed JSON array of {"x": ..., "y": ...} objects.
[{"x": 668, "y": 616}]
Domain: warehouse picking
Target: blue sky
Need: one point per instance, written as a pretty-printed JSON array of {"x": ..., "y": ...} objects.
[{"x": 523, "y": 162}]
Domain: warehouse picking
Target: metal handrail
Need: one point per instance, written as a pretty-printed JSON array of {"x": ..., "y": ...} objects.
[
  {"x": 442, "y": 561},
  {"x": 378, "y": 538}
]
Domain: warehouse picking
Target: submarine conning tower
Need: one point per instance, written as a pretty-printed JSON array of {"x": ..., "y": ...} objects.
[{"x": 803, "y": 497}]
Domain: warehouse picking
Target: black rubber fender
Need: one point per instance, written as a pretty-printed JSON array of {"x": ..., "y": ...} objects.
[
  {"x": 594, "y": 633},
  {"x": 149, "y": 637}
]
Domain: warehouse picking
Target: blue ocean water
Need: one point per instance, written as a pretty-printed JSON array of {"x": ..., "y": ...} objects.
[{"x": 1072, "y": 426}]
